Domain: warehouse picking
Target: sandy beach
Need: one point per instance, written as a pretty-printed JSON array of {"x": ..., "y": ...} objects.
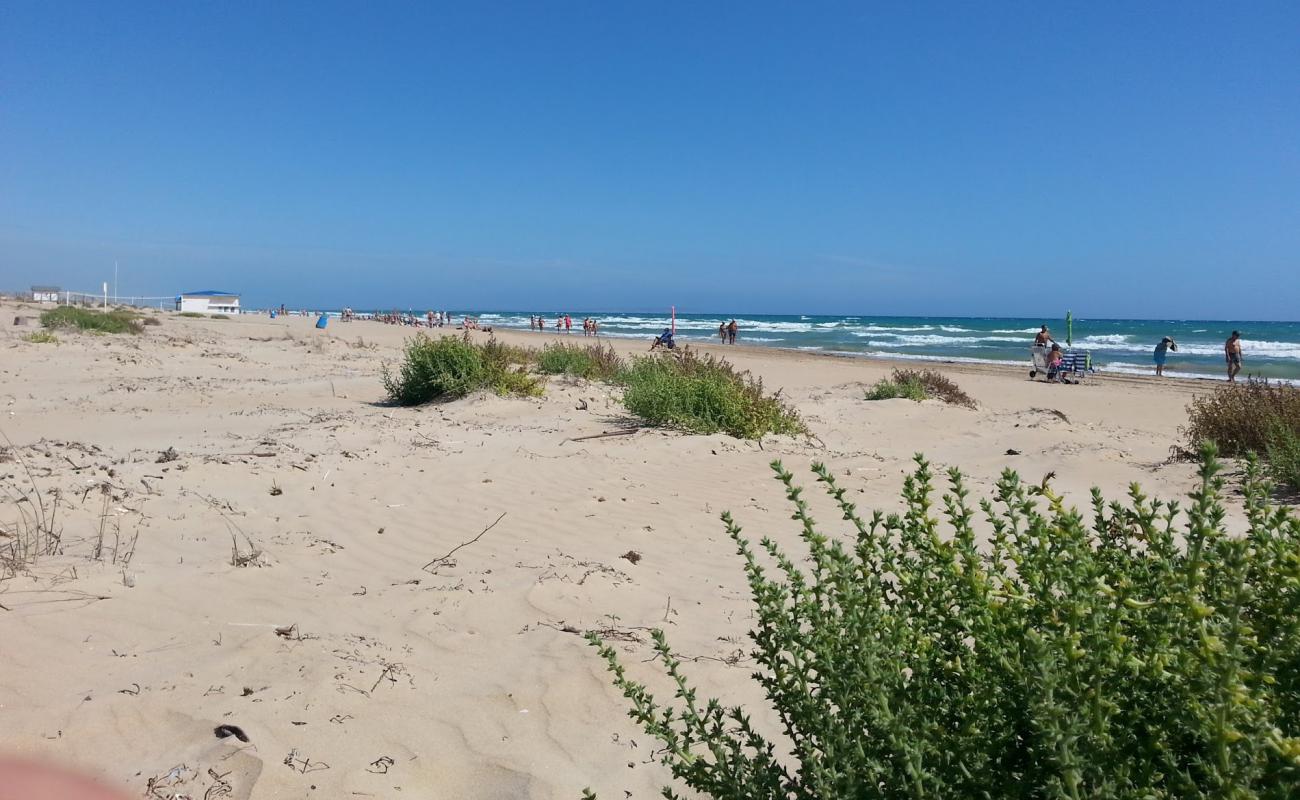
[{"x": 280, "y": 550}]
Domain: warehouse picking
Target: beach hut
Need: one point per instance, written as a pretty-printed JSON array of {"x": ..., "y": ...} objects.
[
  {"x": 45, "y": 294},
  {"x": 208, "y": 301}
]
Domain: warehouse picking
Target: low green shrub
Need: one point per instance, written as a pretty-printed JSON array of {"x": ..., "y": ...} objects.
[
  {"x": 448, "y": 367},
  {"x": 1282, "y": 454},
  {"x": 919, "y": 385},
  {"x": 192, "y": 315},
  {"x": 1252, "y": 416},
  {"x": 1240, "y": 417},
  {"x": 92, "y": 321},
  {"x": 704, "y": 395},
  {"x": 595, "y": 362},
  {"x": 41, "y": 337},
  {"x": 1148, "y": 654},
  {"x": 517, "y": 382},
  {"x": 218, "y": 316},
  {"x": 503, "y": 356},
  {"x": 889, "y": 389}
]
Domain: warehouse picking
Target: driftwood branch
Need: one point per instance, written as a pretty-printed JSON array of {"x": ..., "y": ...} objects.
[
  {"x": 442, "y": 559},
  {"x": 606, "y": 435}
]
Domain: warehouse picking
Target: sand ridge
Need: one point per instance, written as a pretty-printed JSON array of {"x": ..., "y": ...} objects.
[{"x": 278, "y": 583}]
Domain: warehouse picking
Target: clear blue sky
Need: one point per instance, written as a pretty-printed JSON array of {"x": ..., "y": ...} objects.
[{"x": 1140, "y": 159}]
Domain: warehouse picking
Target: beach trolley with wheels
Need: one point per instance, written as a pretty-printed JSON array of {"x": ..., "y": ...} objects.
[{"x": 1038, "y": 360}]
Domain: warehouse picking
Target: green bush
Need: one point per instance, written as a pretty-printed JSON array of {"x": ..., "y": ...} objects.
[
  {"x": 704, "y": 395},
  {"x": 888, "y": 389},
  {"x": 192, "y": 315},
  {"x": 1149, "y": 654},
  {"x": 93, "y": 321},
  {"x": 919, "y": 385},
  {"x": 41, "y": 337},
  {"x": 1252, "y": 416},
  {"x": 445, "y": 368},
  {"x": 593, "y": 362},
  {"x": 1282, "y": 454}
]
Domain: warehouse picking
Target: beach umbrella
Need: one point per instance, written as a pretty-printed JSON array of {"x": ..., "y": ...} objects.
[{"x": 1069, "y": 329}]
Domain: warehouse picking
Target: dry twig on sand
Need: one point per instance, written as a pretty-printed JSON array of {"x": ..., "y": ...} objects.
[
  {"x": 442, "y": 561},
  {"x": 605, "y": 435}
]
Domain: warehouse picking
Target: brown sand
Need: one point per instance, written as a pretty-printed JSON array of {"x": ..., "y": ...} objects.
[{"x": 464, "y": 680}]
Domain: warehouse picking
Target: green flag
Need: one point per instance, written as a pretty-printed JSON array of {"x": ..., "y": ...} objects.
[{"x": 1069, "y": 329}]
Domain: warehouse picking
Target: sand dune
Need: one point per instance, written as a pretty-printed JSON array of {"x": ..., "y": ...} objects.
[{"x": 352, "y": 669}]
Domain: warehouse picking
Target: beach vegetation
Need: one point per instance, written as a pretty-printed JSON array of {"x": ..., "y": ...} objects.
[
  {"x": 92, "y": 321},
  {"x": 1282, "y": 455},
  {"x": 596, "y": 362},
  {"x": 1252, "y": 416},
  {"x": 42, "y": 337},
  {"x": 449, "y": 367},
  {"x": 151, "y": 321},
  {"x": 1139, "y": 650},
  {"x": 192, "y": 315},
  {"x": 30, "y": 526},
  {"x": 218, "y": 316},
  {"x": 704, "y": 394},
  {"x": 920, "y": 385}
]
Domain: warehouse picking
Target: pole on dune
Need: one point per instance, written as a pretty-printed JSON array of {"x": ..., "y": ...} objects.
[{"x": 674, "y": 310}]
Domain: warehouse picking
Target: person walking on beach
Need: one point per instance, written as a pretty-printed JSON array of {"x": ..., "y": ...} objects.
[
  {"x": 1232, "y": 352},
  {"x": 1165, "y": 345},
  {"x": 732, "y": 327}
]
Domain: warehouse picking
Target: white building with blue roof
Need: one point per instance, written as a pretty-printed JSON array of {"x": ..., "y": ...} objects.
[{"x": 208, "y": 301}]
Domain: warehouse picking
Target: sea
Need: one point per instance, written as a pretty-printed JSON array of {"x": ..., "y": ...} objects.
[{"x": 1270, "y": 349}]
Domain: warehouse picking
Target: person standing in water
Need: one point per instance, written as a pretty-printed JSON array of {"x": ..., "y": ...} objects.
[
  {"x": 732, "y": 327},
  {"x": 1232, "y": 353},
  {"x": 1166, "y": 344}
]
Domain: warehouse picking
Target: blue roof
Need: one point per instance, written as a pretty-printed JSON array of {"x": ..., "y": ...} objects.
[{"x": 210, "y": 293}]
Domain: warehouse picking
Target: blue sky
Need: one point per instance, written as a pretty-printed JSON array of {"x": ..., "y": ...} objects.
[{"x": 1124, "y": 159}]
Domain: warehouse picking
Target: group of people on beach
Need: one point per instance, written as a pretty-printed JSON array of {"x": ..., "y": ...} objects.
[
  {"x": 564, "y": 322},
  {"x": 1231, "y": 354},
  {"x": 1167, "y": 345}
]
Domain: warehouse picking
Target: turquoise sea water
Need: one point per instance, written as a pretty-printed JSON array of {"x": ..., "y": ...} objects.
[{"x": 1271, "y": 349}]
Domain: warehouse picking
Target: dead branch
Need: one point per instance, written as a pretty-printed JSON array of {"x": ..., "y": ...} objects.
[
  {"x": 605, "y": 435},
  {"x": 442, "y": 560}
]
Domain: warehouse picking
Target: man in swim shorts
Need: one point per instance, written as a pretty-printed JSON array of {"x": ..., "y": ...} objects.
[{"x": 1232, "y": 352}]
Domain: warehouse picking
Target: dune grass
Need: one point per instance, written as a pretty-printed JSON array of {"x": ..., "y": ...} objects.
[
  {"x": 41, "y": 337},
  {"x": 920, "y": 385},
  {"x": 448, "y": 367},
  {"x": 92, "y": 321},
  {"x": 704, "y": 394},
  {"x": 596, "y": 362}
]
